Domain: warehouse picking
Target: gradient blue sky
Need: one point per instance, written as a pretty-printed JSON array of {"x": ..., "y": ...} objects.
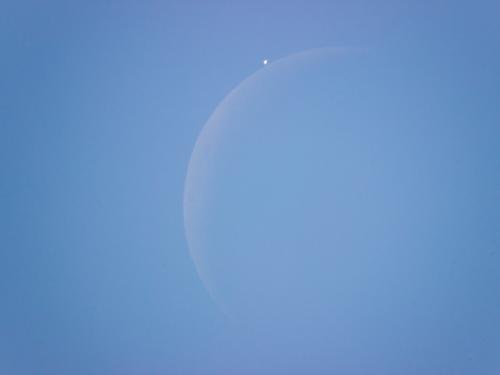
[{"x": 101, "y": 104}]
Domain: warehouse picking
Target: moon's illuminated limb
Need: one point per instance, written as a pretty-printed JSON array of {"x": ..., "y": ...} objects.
[{"x": 201, "y": 161}]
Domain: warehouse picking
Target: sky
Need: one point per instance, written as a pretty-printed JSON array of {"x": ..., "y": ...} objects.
[{"x": 101, "y": 106}]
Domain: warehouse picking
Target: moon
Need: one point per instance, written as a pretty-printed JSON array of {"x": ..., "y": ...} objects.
[{"x": 338, "y": 199}]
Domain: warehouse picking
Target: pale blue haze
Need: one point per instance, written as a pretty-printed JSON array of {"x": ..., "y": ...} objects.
[{"x": 101, "y": 103}]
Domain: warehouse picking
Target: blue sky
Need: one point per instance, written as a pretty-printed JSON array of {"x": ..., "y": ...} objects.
[{"x": 101, "y": 105}]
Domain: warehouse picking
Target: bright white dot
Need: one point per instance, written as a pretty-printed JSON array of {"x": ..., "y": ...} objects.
[{"x": 264, "y": 61}]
